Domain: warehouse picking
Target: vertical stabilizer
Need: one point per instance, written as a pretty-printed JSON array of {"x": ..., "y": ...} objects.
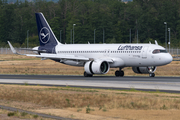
[{"x": 46, "y": 35}]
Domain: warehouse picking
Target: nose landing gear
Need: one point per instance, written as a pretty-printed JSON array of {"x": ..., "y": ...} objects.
[{"x": 151, "y": 69}]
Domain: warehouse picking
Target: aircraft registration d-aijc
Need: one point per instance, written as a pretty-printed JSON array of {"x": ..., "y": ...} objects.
[{"x": 98, "y": 58}]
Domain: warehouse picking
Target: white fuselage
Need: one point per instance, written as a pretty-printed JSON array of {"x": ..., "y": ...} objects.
[
  {"x": 98, "y": 58},
  {"x": 123, "y": 55}
]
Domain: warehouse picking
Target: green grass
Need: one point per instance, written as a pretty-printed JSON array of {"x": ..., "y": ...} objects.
[
  {"x": 14, "y": 59},
  {"x": 11, "y": 114},
  {"x": 134, "y": 90},
  {"x": 35, "y": 116},
  {"x": 24, "y": 114},
  {"x": 71, "y": 89}
]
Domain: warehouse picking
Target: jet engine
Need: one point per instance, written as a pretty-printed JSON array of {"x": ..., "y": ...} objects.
[
  {"x": 96, "y": 67},
  {"x": 144, "y": 70}
]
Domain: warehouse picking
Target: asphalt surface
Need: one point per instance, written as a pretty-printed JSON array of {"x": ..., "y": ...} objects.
[{"x": 165, "y": 84}]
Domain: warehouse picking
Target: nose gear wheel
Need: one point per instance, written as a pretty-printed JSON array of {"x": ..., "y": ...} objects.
[{"x": 151, "y": 75}]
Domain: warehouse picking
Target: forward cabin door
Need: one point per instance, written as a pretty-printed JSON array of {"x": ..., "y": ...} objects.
[{"x": 144, "y": 52}]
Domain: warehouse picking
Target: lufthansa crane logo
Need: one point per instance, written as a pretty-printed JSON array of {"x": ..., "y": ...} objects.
[{"x": 44, "y": 35}]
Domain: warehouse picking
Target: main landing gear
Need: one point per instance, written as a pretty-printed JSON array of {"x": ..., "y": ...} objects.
[
  {"x": 119, "y": 73},
  {"x": 87, "y": 75}
]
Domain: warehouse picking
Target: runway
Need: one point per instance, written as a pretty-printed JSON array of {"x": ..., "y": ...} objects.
[{"x": 167, "y": 84}]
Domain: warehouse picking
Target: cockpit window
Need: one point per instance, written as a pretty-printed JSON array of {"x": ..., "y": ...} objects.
[{"x": 159, "y": 51}]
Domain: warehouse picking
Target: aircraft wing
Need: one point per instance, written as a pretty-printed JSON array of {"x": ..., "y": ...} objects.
[
  {"x": 68, "y": 57},
  {"x": 41, "y": 51},
  {"x": 109, "y": 60},
  {"x": 55, "y": 56},
  {"x": 60, "y": 57},
  {"x": 52, "y": 56}
]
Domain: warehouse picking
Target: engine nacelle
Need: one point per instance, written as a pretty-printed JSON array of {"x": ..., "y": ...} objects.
[
  {"x": 144, "y": 70},
  {"x": 96, "y": 67}
]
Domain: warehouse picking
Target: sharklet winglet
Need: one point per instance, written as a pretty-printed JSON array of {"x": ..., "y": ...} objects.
[{"x": 12, "y": 49}]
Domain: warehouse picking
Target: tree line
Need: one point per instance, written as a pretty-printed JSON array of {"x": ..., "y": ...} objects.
[{"x": 112, "y": 21}]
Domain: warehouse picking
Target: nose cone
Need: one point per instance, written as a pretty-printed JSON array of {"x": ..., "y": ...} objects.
[{"x": 168, "y": 58}]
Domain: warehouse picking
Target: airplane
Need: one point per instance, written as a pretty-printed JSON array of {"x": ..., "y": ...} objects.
[{"x": 98, "y": 58}]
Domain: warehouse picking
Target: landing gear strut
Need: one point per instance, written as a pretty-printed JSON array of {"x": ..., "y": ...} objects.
[
  {"x": 87, "y": 75},
  {"x": 119, "y": 73}
]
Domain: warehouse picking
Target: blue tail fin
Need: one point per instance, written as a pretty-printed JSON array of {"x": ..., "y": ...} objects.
[{"x": 46, "y": 35}]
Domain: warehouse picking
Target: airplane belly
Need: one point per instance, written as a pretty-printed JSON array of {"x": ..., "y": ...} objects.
[{"x": 73, "y": 63}]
